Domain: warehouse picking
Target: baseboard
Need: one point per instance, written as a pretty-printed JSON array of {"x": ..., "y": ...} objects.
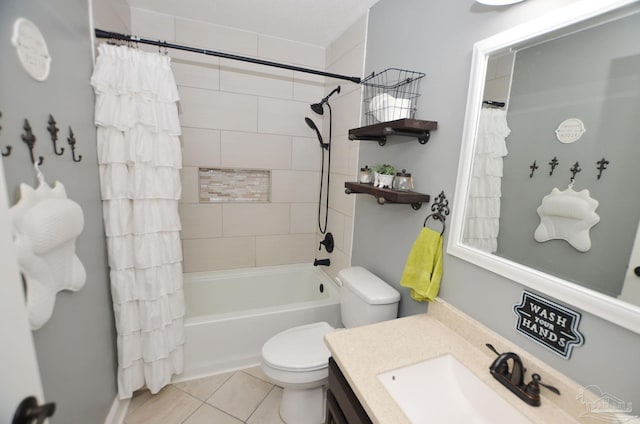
[
  {"x": 217, "y": 368},
  {"x": 118, "y": 411}
]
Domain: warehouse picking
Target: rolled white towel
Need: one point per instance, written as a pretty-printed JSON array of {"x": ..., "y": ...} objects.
[{"x": 386, "y": 108}]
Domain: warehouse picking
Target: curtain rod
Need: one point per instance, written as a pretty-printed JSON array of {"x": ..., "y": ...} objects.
[{"x": 117, "y": 36}]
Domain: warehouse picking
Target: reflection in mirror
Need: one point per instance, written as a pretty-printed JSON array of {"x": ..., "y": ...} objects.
[{"x": 537, "y": 201}]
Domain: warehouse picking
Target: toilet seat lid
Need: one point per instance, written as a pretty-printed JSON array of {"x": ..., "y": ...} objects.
[{"x": 298, "y": 349}]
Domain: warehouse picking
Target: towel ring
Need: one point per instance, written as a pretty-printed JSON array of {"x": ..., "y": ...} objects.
[
  {"x": 440, "y": 208},
  {"x": 437, "y": 217}
]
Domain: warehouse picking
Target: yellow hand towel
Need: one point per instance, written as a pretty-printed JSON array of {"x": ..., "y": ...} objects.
[{"x": 423, "y": 269}]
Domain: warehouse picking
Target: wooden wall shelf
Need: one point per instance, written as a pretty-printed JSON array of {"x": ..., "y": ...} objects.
[
  {"x": 385, "y": 195},
  {"x": 402, "y": 127}
]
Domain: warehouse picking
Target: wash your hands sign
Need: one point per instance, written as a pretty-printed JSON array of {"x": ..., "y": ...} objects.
[{"x": 549, "y": 324}]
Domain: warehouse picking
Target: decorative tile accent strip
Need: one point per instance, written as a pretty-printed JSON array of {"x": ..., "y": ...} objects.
[{"x": 233, "y": 185}]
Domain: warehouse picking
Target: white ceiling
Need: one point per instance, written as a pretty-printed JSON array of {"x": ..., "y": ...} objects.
[{"x": 317, "y": 22}]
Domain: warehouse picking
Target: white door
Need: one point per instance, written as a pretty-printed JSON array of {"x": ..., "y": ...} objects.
[
  {"x": 631, "y": 287},
  {"x": 19, "y": 373}
]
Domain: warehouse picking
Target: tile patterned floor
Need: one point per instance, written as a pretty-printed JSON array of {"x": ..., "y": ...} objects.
[{"x": 237, "y": 397}]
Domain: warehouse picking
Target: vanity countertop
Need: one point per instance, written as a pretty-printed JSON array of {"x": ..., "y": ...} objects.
[{"x": 364, "y": 352}]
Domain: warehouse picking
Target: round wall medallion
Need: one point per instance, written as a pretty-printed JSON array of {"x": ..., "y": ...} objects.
[
  {"x": 31, "y": 48},
  {"x": 570, "y": 130}
]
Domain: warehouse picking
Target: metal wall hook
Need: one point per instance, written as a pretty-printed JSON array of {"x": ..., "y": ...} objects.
[
  {"x": 7, "y": 150},
  {"x": 53, "y": 130},
  {"x": 30, "y": 139},
  {"x": 533, "y": 168},
  {"x": 574, "y": 170},
  {"x": 601, "y": 166},
  {"x": 72, "y": 142},
  {"x": 553, "y": 163}
]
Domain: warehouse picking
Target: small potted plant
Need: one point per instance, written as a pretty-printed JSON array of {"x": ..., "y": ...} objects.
[{"x": 383, "y": 175}]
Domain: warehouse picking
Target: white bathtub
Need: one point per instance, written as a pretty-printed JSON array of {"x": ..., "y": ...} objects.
[{"x": 231, "y": 314}]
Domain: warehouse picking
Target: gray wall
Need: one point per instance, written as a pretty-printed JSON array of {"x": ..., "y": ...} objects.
[
  {"x": 437, "y": 37},
  {"x": 593, "y": 75},
  {"x": 76, "y": 347}
]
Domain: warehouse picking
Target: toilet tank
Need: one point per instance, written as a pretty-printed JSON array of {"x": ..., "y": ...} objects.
[{"x": 365, "y": 298}]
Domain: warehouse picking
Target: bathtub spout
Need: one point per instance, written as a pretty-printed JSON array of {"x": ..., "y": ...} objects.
[{"x": 325, "y": 262}]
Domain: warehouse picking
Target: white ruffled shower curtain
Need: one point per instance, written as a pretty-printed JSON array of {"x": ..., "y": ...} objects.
[
  {"x": 139, "y": 160},
  {"x": 482, "y": 222}
]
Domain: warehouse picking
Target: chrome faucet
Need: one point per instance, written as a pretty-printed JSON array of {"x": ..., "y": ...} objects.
[{"x": 507, "y": 368}]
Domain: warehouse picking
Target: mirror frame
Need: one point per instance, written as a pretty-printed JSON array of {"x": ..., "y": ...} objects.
[{"x": 618, "y": 312}]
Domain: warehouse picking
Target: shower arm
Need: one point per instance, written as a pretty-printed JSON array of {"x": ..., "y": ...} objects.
[
  {"x": 317, "y": 107},
  {"x": 135, "y": 39},
  {"x": 326, "y": 99}
]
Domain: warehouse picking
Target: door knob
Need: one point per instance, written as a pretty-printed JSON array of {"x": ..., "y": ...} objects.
[
  {"x": 636, "y": 271},
  {"x": 29, "y": 412}
]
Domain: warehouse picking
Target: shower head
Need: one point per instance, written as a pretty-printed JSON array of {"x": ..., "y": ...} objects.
[
  {"x": 313, "y": 126},
  {"x": 317, "y": 107}
]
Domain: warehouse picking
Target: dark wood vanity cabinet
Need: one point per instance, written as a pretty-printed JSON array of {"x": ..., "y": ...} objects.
[
  {"x": 343, "y": 407},
  {"x": 334, "y": 413}
]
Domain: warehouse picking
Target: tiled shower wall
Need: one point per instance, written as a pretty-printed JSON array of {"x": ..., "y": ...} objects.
[{"x": 246, "y": 116}]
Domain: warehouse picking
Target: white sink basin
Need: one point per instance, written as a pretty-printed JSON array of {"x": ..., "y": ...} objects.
[{"x": 442, "y": 390}]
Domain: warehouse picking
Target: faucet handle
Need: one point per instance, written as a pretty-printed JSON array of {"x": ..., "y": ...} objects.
[
  {"x": 490, "y": 346},
  {"x": 328, "y": 243},
  {"x": 534, "y": 389}
]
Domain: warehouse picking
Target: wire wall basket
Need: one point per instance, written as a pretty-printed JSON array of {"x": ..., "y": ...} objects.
[{"x": 390, "y": 95}]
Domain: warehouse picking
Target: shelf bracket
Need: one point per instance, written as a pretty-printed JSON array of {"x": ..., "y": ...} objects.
[
  {"x": 423, "y": 137},
  {"x": 381, "y": 139}
]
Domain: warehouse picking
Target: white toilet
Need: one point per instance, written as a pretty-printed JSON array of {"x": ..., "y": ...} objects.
[{"x": 297, "y": 358}]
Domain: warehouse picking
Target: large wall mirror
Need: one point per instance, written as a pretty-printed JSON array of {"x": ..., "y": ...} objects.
[{"x": 548, "y": 189}]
